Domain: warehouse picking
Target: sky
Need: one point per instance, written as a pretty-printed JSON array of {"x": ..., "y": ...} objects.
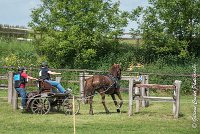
[{"x": 17, "y": 12}]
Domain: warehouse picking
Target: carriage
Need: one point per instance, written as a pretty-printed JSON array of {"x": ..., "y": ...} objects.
[{"x": 44, "y": 100}]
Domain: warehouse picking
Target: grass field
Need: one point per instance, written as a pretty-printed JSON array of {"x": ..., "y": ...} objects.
[{"x": 155, "y": 119}]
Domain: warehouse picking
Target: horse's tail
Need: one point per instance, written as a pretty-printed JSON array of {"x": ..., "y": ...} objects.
[
  {"x": 88, "y": 83},
  {"x": 84, "y": 93}
]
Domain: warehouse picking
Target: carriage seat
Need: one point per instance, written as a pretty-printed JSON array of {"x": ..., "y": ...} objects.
[{"x": 45, "y": 86}]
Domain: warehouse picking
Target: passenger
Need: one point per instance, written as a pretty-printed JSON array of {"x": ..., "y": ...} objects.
[
  {"x": 21, "y": 85},
  {"x": 45, "y": 75}
]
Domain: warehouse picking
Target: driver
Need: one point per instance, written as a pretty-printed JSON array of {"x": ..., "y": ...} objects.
[{"x": 45, "y": 73}]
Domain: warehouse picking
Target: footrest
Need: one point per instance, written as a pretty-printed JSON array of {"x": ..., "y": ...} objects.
[
  {"x": 50, "y": 94},
  {"x": 60, "y": 94}
]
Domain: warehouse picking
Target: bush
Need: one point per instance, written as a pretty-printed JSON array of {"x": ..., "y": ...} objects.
[{"x": 17, "y": 53}]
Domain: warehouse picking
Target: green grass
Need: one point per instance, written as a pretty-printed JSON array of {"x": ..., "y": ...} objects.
[{"x": 155, "y": 119}]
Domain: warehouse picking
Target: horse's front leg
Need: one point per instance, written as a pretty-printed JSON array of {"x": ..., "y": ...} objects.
[
  {"x": 121, "y": 102},
  {"x": 115, "y": 102},
  {"x": 103, "y": 101}
]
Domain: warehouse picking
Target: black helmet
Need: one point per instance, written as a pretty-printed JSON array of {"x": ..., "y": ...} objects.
[
  {"x": 21, "y": 68},
  {"x": 44, "y": 64}
]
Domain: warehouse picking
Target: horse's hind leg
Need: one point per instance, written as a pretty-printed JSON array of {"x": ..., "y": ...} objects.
[
  {"x": 121, "y": 102},
  {"x": 103, "y": 101},
  {"x": 90, "y": 101}
]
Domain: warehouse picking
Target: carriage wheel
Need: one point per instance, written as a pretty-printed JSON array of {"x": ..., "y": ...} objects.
[
  {"x": 40, "y": 105},
  {"x": 68, "y": 106}
]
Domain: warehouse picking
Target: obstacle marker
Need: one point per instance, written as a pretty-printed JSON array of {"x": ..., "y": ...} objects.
[{"x": 145, "y": 96}]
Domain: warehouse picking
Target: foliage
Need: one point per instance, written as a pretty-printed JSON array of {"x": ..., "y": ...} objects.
[
  {"x": 169, "y": 27},
  {"x": 77, "y": 33},
  {"x": 16, "y": 53},
  {"x": 124, "y": 54}
]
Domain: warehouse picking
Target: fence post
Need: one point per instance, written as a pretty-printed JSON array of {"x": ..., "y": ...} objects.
[
  {"x": 14, "y": 99},
  {"x": 81, "y": 84},
  {"x": 130, "y": 111},
  {"x": 137, "y": 101},
  {"x": 176, "y": 104},
  {"x": 58, "y": 79},
  {"x": 146, "y": 89},
  {"x": 143, "y": 93},
  {"x": 10, "y": 86}
]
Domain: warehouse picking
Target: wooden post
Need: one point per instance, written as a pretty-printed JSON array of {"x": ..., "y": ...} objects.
[
  {"x": 10, "y": 86},
  {"x": 137, "y": 101},
  {"x": 81, "y": 85},
  {"x": 15, "y": 99},
  {"x": 58, "y": 79},
  {"x": 174, "y": 98},
  {"x": 177, "y": 101},
  {"x": 137, "y": 93},
  {"x": 146, "y": 77},
  {"x": 130, "y": 106},
  {"x": 143, "y": 91}
]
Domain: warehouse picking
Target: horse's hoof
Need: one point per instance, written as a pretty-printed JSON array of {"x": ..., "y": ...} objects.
[
  {"x": 91, "y": 113},
  {"x": 118, "y": 110},
  {"x": 107, "y": 112}
]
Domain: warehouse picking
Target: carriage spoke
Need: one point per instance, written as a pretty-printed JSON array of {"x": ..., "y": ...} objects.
[
  {"x": 68, "y": 106},
  {"x": 40, "y": 105}
]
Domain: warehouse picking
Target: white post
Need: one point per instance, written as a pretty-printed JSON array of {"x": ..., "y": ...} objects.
[
  {"x": 130, "y": 111},
  {"x": 177, "y": 102},
  {"x": 143, "y": 91},
  {"x": 10, "y": 86},
  {"x": 58, "y": 79},
  {"x": 137, "y": 101},
  {"x": 81, "y": 85},
  {"x": 15, "y": 99},
  {"x": 146, "y": 77},
  {"x": 174, "y": 97}
]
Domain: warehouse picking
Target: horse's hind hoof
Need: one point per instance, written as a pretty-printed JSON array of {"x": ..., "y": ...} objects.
[
  {"x": 118, "y": 110},
  {"x": 91, "y": 113}
]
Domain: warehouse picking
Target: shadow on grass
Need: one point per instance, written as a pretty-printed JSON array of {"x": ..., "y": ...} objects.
[{"x": 111, "y": 112}]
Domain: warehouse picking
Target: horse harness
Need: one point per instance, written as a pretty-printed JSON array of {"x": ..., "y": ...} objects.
[{"x": 115, "y": 83}]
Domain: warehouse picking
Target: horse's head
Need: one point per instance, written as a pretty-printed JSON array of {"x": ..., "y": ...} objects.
[{"x": 116, "y": 71}]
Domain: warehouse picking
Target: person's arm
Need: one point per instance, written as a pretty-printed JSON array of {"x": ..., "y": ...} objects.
[
  {"x": 32, "y": 78},
  {"x": 50, "y": 72}
]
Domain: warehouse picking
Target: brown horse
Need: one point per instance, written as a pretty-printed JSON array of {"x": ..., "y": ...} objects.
[{"x": 104, "y": 84}]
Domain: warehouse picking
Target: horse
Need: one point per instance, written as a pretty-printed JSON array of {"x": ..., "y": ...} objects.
[{"x": 104, "y": 84}]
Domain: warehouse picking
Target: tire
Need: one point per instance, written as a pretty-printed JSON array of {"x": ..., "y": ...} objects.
[
  {"x": 68, "y": 106},
  {"x": 40, "y": 105}
]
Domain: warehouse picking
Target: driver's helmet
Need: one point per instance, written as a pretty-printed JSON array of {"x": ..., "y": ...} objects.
[
  {"x": 21, "y": 69},
  {"x": 44, "y": 64}
]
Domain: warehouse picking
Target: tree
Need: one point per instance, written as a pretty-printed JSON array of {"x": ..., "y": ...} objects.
[
  {"x": 170, "y": 27},
  {"x": 77, "y": 32}
]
